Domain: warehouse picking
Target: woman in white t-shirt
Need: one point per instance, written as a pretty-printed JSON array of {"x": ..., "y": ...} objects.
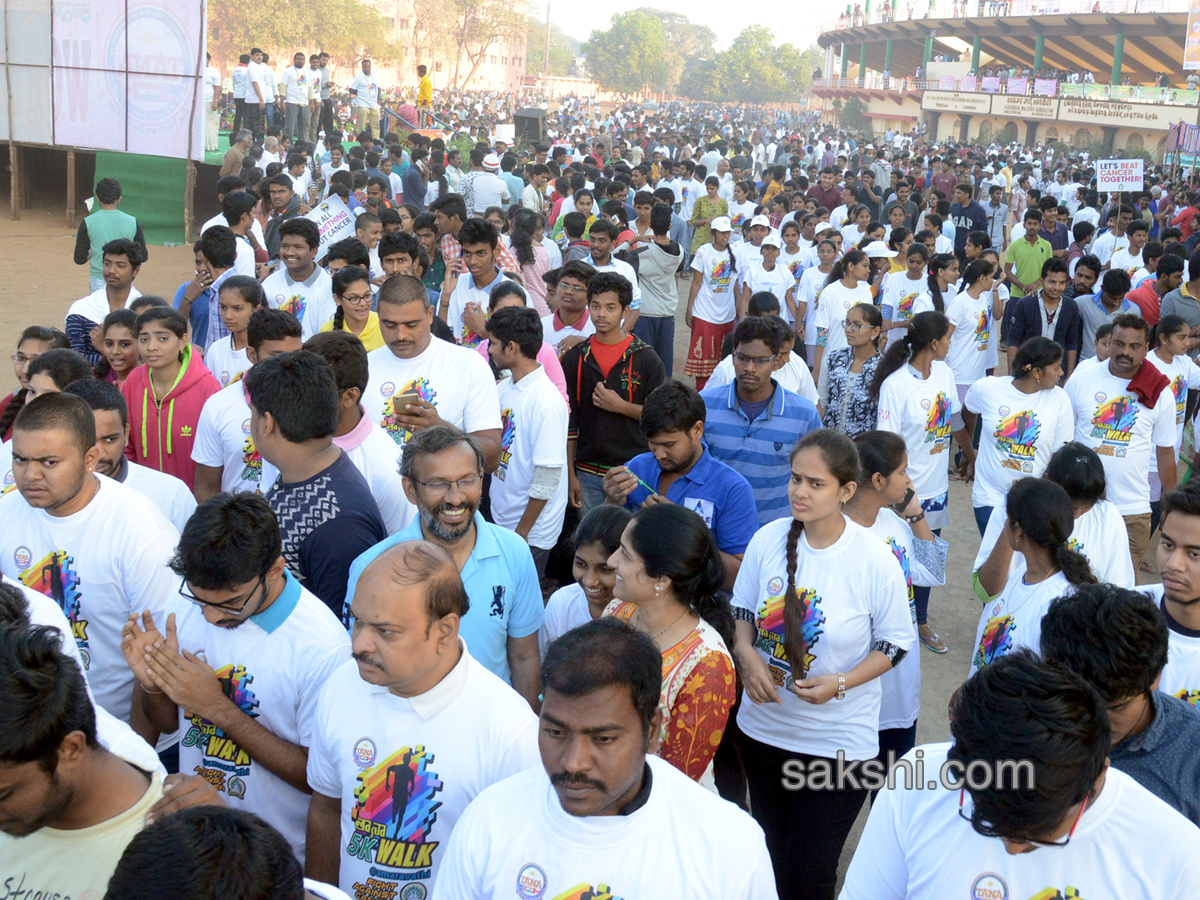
[
  {"x": 971, "y": 321},
  {"x": 856, "y": 229},
  {"x": 1170, "y": 357},
  {"x": 845, "y": 286},
  {"x": 918, "y": 401},
  {"x": 943, "y": 274},
  {"x": 741, "y": 211},
  {"x": 812, "y": 282},
  {"x": 596, "y": 538},
  {"x": 905, "y": 294},
  {"x": 822, "y": 613},
  {"x": 922, "y": 558},
  {"x": 1038, "y": 526}
]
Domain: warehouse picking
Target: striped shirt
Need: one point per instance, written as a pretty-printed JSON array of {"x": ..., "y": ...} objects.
[{"x": 759, "y": 450}]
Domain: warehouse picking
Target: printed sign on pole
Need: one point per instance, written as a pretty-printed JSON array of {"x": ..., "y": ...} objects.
[
  {"x": 1119, "y": 175},
  {"x": 334, "y": 220}
]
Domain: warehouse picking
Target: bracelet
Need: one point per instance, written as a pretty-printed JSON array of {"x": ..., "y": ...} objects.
[
  {"x": 146, "y": 690},
  {"x": 841, "y": 690},
  {"x": 914, "y": 519}
]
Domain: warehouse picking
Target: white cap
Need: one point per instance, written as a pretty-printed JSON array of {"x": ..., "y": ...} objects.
[
  {"x": 491, "y": 162},
  {"x": 772, "y": 241},
  {"x": 721, "y": 223},
  {"x": 760, "y": 220},
  {"x": 879, "y": 250},
  {"x": 822, "y": 226}
]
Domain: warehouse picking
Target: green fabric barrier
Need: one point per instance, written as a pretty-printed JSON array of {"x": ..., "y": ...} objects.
[{"x": 152, "y": 189}]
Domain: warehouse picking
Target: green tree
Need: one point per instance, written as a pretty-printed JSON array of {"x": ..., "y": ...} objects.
[
  {"x": 631, "y": 54},
  {"x": 688, "y": 46},
  {"x": 480, "y": 25},
  {"x": 562, "y": 53}
]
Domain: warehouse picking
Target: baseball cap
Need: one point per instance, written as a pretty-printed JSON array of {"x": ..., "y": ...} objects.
[
  {"x": 772, "y": 241},
  {"x": 879, "y": 250},
  {"x": 760, "y": 220},
  {"x": 721, "y": 223}
]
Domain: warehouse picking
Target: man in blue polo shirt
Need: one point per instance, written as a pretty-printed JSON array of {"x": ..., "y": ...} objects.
[
  {"x": 752, "y": 422},
  {"x": 679, "y": 469},
  {"x": 442, "y": 472}
]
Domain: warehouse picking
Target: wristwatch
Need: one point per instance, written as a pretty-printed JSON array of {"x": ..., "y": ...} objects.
[
  {"x": 914, "y": 519},
  {"x": 841, "y": 687}
]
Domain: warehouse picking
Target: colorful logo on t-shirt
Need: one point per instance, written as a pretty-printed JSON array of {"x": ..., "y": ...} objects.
[
  {"x": 989, "y": 886},
  {"x": 1190, "y": 696},
  {"x": 983, "y": 330},
  {"x": 738, "y": 220},
  {"x": 508, "y": 430},
  {"x": 901, "y": 555},
  {"x": 251, "y": 462},
  {"x": 937, "y": 425},
  {"x": 394, "y": 429},
  {"x": 586, "y": 892},
  {"x": 393, "y": 817},
  {"x": 294, "y": 304},
  {"x": 1179, "y": 389},
  {"x": 904, "y": 306},
  {"x": 770, "y": 630},
  {"x": 1113, "y": 423},
  {"x": 795, "y": 268},
  {"x": 1016, "y": 437},
  {"x": 53, "y": 576},
  {"x": 721, "y": 274},
  {"x": 997, "y": 640},
  {"x": 224, "y": 764},
  {"x": 1053, "y": 893}
]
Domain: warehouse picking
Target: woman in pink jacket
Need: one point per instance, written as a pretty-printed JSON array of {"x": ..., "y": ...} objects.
[{"x": 166, "y": 394}]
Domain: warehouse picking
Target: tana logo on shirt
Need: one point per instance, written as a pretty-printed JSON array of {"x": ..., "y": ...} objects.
[
  {"x": 394, "y": 429},
  {"x": 251, "y": 460},
  {"x": 395, "y": 808},
  {"x": 1113, "y": 423},
  {"x": 508, "y": 431},
  {"x": 225, "y": 765},
  {"x": 997, "y": 638},
  {"x": 294, "y": 304},
  {"x": 770, "y": 629},
  {"x": 983, "y": 330},
  {"x": 53, "y": 576},
  {"x": 937, "y": 423},
  {"x": 1016, "y": 436}
]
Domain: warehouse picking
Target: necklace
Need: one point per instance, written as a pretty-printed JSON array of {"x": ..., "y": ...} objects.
[{"x": 669, "y": 627}]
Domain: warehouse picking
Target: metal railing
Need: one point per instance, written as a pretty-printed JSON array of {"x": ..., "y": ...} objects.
[
  {"x": 904, "y": 11},
  {"x": 1038, "y": 87}
]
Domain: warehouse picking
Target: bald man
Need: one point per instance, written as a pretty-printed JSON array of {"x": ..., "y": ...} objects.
[{"x": 412, "y": 698}]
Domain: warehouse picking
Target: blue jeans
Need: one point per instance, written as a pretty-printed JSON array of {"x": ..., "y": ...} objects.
[
  {"x": 982, "y": 514},
  {"x": 659, "y": 333},
  {"x": 592, "y": 490}
]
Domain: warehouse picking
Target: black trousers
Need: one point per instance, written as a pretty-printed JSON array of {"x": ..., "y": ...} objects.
[
  {"x": 805, "y": 829},
  {"x": 327, "y": 119},
  {"x": 239, "y": 116}
]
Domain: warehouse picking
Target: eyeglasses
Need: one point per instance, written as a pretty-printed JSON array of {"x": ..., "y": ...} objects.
[
  {"x": 21, "y": 359},
  {"x": 227, "y": 606},
  {"x": 468, "y": 483},
  {"x": 357, "y": 299},
  {"x": 987, "y": 831},
  {"x": 856, "y": 327},
  {"x": 572, "y": 288},
  {"x": 753, "y": 360}
]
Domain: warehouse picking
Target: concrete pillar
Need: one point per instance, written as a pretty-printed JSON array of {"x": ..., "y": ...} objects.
[
  {"x": 845, "y": 62},
  {"x": 1118, "y": 58},
  {"x": 964, "y": 125},
  {"x": 976, "y": 44},
  {"x": 1110, "y": 137},
  {"x": 862, "y": 65},
  {"x": 1031, "y": 130},
  {"x": 1038, "y": 48}
]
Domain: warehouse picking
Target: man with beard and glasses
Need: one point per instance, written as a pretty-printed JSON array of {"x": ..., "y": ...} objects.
[
  {"x": 409, "y": 732},
  {"x": 68, "y": 807},
  {"x": 1179, "y": 594},
  {"x": 680, "y": 470},
  {"x": 602, "y": 816},
  {"x": 442, "y": 469},
  {"x": 239, "y": 661},
  {"x": 167, "y": 492},
  {"x": 96, "y": 547}
]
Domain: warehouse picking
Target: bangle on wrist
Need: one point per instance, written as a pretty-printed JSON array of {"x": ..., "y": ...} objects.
[
  {"x": 146, "y": 690},
  {"x": 917, "y": 518},
  {"x": 841, "y": 686}
]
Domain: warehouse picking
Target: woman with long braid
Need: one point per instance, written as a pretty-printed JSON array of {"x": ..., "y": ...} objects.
[{"x": 821, "y": 612}]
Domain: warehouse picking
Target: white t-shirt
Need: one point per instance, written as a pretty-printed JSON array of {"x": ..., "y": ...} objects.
[
  {"x": 101, "y": 564},
  {"x": 778, "y": 281},
  {"x": 796, "y": 262},
  {"x": 680, "y": 844},
  {"x": 567, "y": 608},
  {"x": 812, "y": 281},
  {"x": 535, "y": 434},
  {"x": 1111, "y": 420},
  {"x": 1123, "y": 259},
  {"x": 223, "y": 440},
  {"x": 227, "y": 364},
  {"x": 920, "y": 411},
  {"x": 1184, "y": 376},
  {"x": 1014, "y": 618},
  {"x": 310, "y": 301},
  {"x": 172, "y": 497},
  {"x": 739, "y": 215},
  {"x": 714, "y": 300},
  {"x": 256, "y": 74},
  {"x": 1094, "y": 536},
  {"x": 794, "y": 376},
  {"x": 455, "y": 379},
  {"x": 903, "y": 298},
  {"x": 238, "y": 77},
  {"x": 466, "y": 292},
  {"x": 328, "y": 169},
  {"x": 916, "y": 846},
  {"x": 836, "y": 301},
  {"x": 623, "y": 269},
  {"x": 489, "y": 190},
  {"x": 993, "y": 353},
  {"x": 296, "y": 85},
  {"x": 212, "y": 84},
  {"x": 856, "y": 595},
  {"x": 1107, "y": 244},
  {"x": 972, "y": 321},
  {"x": 365, "y": 90},
  {"x": 377, "y": 457},
  {"x": 748, "y": 255},
  {"x": 433, "y": 753},
  {"x": 1181, "y": 677},
  {"x": 273, "y": 667},
  {"x": 1020, "y": 432},
  {"x": 554, "y": 335},
  {"x": 900, "y": 702}
]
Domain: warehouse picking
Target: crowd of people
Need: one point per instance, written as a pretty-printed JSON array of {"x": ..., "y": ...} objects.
[{"x": 408, "y": 566}]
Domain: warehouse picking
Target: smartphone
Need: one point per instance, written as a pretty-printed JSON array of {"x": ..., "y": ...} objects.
[
  {"x": 400, "y": 400},
  {"x": 903, "y": 504}
]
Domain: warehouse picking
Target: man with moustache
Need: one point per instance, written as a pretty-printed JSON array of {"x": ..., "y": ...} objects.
[{"x": 442, "y": 470}]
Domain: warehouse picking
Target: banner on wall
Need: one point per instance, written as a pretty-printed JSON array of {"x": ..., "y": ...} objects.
[
  {"x": 1191, "y": 44},
  {"x": 1045, "y": 87},
  {"x": 125, "y": 76},
  {"x": 1017, "y": 85},
  {"x": 968, "y": 83},
  {"x": 991, "y": 84},
  {"x": 946, "y": 83},
  {"x": 1114, "y": 175}
]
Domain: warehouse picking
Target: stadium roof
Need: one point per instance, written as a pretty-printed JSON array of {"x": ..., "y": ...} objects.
[{"x": 1153, "y": 42}]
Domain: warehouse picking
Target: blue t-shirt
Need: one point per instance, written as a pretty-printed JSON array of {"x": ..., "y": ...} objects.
[
  {"x": 501, "y": 582},
  {"x": 721, "y": 497}
]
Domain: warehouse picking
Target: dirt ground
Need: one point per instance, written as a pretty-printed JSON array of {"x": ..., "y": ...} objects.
[{"x": 44, "y": 282}]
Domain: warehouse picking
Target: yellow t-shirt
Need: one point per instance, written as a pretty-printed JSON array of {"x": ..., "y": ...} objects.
[
  {"x": 77, "y": 863},
  {"x": 371, "y": 337},
  {"x": 425, "y": 92}
]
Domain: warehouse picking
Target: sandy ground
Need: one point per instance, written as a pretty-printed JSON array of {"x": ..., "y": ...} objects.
[{"x": 44, "y": 282}]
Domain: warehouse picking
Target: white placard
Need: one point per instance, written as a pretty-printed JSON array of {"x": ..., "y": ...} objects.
[
  {"x": 1114, "y": 175},
  {"x": 334, "y": 220}
]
